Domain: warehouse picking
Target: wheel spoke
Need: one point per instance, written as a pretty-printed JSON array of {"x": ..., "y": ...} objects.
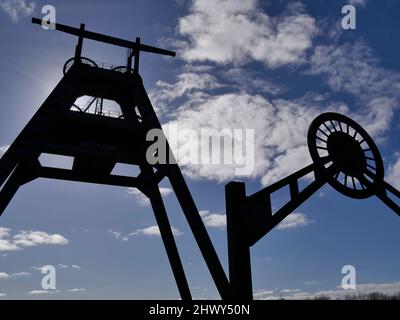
[
  {"x": 321, "y": 139},
  {"x": 333, "y": 126},
  {"x": 370, "y": 174},
  {"x": 327, "y": 127},
  {"x": 340, "y": 126},
  {"x": 319, "y": 129},
  {"x": 325, "y": 159}
]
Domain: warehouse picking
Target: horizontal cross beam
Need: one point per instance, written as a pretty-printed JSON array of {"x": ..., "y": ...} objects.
[{"x": 136, "y": 46}]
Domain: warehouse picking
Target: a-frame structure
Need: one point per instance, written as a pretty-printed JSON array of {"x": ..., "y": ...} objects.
[
  {"x": 343, "y": 155},
  {"x": 97, "y": 143}
]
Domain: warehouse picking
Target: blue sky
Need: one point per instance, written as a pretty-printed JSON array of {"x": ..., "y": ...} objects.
[{"x": 270, "y": 66}]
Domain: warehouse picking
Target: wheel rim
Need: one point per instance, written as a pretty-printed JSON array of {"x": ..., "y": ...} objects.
[{"x": 352, "y": 152}]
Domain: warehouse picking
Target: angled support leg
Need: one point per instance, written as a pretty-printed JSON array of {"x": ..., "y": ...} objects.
[
  {"x": 199, "y": 231},
  {"x": 7, "y": 165},
  {"x": 153, "y": 193},
  {"x": 23, "y": 173}
]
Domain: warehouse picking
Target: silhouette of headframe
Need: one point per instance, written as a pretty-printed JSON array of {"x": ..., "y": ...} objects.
[
  {"x": 98, "y": 142},
  {"x": 343, "y": 155}
]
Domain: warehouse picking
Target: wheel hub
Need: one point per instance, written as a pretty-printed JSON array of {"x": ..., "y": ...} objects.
[{"x": 346, "y": 153}]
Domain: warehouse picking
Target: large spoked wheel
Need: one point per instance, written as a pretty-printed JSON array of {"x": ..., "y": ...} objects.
[
  {"x": 70, "y": 62},
  {"x": 338, "y": 141}
]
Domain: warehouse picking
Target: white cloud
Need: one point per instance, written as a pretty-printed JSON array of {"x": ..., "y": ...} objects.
[
  {"x": 142, "y": 199},
  {"x": 41, "y": 292},
  {"x": 76, "y": 290},
  {"x": 33, "y": 238},
  {"x": 243, "y": 79},
  {"x": 154, "y": 231},
  {"x": 3, "y": 294},
  {"x": 294, "y": 221},
  {"x": 7, "y": 245},
  {"x": 290, "y": 290},
  {"x": 4, "y": 232},
  {"x": 280, "y": 125},
  {"x": 119, "y": 236},
  {"x": 213, "y": 220},
  {"x": 188, "y": 84},
  {"x": 393, "y": 174},
  {"x": 229, "y": 111},
  {"x": 338, "y": 293},
  {"x": 237, "y": 30},
  {"x": 259, "y": 294},
  {"x": 280, "y": 131},
  {"x": 361, "y": 3},
  {"x": 28, "y": 239},
  {"x": 63, "y": 266},
  {"x": 353, "y": 68},
  {"x": 4, "y": 275},
  {"x": 36, "y": 268},
  {"x": 20, "y": 274},
  {"x": 17, "y": 9}
]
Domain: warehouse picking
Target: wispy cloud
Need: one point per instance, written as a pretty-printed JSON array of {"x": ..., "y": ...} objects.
[
  {"x": 118, "y": 235},
  {"x": 361, "y": 3},
  {"x": 41, "y": 292},
  {"x": 17, "y": 9},
  {"x": 4, "y": 275},
  {"x": 142, "y": 199},
  {"x": 335, "y": 294},
  {"x": 353, "y": 68},
  {"x": 76, "y": 290},
  {"x": 148, "y": 231},
  {"x": 154, "y": 231},
  {"x": 28, "y": 238},
  {"x": 64, "y": 266},
  {"x": 188, "y": 84},
  {"x": 33, "y": 238},
  {"x": 20, "y": 274},
  {"x": 393, "y": 173},
  {"x": 294, "y": 221}
]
